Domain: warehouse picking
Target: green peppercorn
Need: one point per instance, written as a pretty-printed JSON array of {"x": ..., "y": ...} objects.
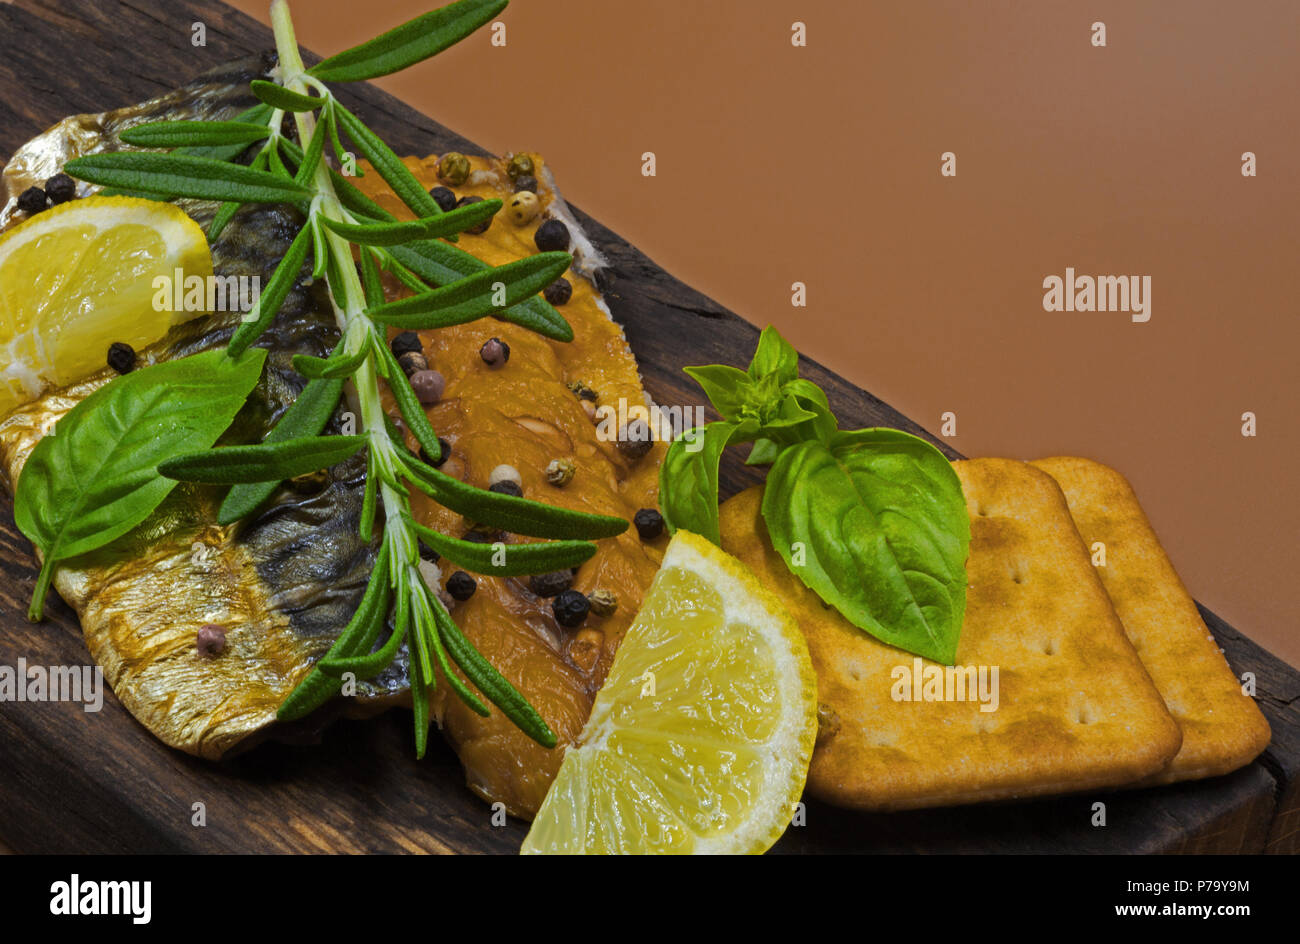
[
  {"x": 521, "y": 165},
  {"x": 603, "y": 602},
  {"x": 454, "y": 168},
  {"x": 560, "y": 472}
]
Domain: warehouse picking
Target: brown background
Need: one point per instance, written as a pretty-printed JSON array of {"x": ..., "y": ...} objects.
[{"x": 821, "y": 164}]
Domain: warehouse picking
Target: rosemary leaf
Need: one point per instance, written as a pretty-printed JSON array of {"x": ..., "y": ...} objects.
[
  {"x": 390, "y": 166},
  {"x": 264, "y": 462},
  {"x": 272, "y": 296},
  {"x": 516, "y": 560},
  {"x": 441, "y": 264},
  {"x": 170, "y": 134},
  {"x": 315, "y": 148},
  {"x": 408, "y": 403},
  {"x": 277, "y": 96},
  {"x": 358, "y": 636},
  {"x": 412, "y": 42},
  {"x": 306, "y": 416},
  {"x": 258, "y": 114},
  {"x": 366, "y": 523},
  {"x": 488, "y": 292},
  {"x": 330, "y": 368},
  {"x": 489, "y": 681},
  {"x": 184, "y": 176},
  {"x": 518, "y": 515},
  {"x": 390, "y": 234},
  {"x": 368, "y": 665}
]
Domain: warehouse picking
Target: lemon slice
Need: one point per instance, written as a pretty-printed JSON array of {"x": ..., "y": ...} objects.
[
  {"x": 700, "y": 739},
  {"x": 78, "y": 277}
]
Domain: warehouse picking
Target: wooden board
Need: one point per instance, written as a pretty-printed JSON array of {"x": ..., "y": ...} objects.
[{"x": 77, "y": 782}]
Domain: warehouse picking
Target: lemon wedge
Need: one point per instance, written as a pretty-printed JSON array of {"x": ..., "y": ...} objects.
[
  {"x": 78, "y": 277},
  {"x": 700, "y": 739}
]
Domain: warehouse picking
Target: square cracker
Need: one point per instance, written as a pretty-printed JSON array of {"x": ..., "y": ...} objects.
[
  {"x": 1222, "y": 727},
  {"x": 1076, "y": 709}
]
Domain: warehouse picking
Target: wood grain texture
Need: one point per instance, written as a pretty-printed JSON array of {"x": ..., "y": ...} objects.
[{"x": 77, "y": 782}]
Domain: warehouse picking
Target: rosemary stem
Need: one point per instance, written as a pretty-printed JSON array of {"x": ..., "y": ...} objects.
[{"x": 350, "y": 308}]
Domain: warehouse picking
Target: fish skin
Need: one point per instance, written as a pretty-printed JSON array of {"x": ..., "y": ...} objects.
[{"x": 284, "y": 582}]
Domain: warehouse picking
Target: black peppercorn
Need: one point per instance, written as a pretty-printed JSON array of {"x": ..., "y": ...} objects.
[
  {"x": 507, "y": 487},
  {"x": 461, "y": 585},
  {"x": 494, "y": 352},
  {"x": 649, "y": 523},
  {"x": 558, "y": 292},
  {"x": 525, "y": 183},
  {"x": 444, "y": 197},
  {"x": 442, "y": 457},
  {"x": 481, "y": 227},
  {"x": 408, "y": 342},
  {"x": 552, "y": 236},
  {"x": 121, "y": 357},
  {"x": 552, "y": 584},
  {"x": 60, "y": 188},
  {"x": 570, "y": 608},
  {"x": 428, "y": 554},
  {"x": 634, "y": 439},
  {"x": 32, "y": 200},
  {"x": 479, "y": 537}
]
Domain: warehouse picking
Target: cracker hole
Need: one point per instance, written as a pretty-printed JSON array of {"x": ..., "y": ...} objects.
[
  {"x": 1084, "y": 715},
  {"x": 1050, "y": 648}
]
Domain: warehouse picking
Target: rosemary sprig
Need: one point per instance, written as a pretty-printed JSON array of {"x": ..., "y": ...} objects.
[{"x": 450, "y": 286}]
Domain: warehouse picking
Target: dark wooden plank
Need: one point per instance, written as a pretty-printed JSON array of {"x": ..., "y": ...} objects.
[{"x": 100, "y": 783}]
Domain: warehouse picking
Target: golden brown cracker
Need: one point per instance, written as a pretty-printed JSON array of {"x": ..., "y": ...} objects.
[
  {"x": 1222, "y": 727},
  {"x": 1075, "y": 709}
]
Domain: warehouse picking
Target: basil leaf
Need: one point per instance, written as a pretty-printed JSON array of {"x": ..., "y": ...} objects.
[
  {"x": 688, "y": 478},
  {"x": 93, "y": 479},
  {"x": 813, "y": 399},
  {"x": 391, "y": 234},
  {"x": 264, "y": 462},
  {"x": 775, "y": 357},
  {"x": 475, "y": 295},
  {"x": 884, "y": 534},
  {"x": 412, "y": 42},
  {"x": 516, "y": 560},
  {"x": 285, "y": 99},
  {"x": 306, "y": 416},
  {"x": 727, "y": 388},
  {"x": 181, "y": 175},
  {"x": 170, "y": 134},
  {"x": 764, "y": 452}
]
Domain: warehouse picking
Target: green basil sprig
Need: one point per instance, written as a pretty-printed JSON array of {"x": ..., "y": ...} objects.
[
  {"x": 872, "y": 520},
  {"x": 92, "y": 480}
]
